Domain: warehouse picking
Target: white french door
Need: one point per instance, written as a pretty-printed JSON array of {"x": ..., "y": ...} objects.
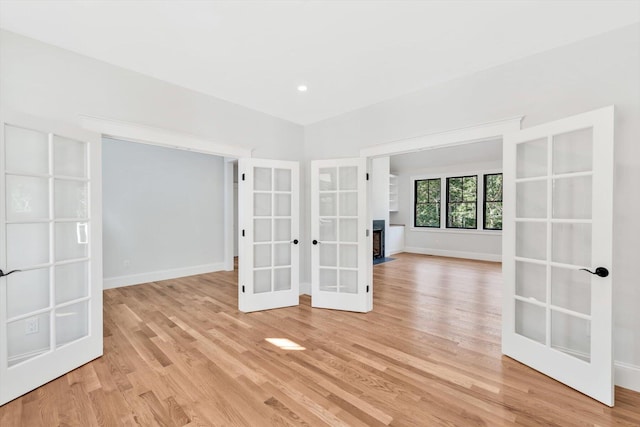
[
  {"x": 269, "y": 212},
  {"x": 341, "y": 254},
  {"x": 557, "y": 316},
  {"x": 50, "y": 229}
]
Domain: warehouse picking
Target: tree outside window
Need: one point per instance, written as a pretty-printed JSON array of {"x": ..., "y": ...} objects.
[
  {"x": 493, "y": 201},
  {"x": 427, "y": 203},
  {"x": 462, "y": 196}
]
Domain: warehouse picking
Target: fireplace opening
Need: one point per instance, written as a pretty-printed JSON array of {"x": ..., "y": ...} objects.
[{"x": 378, "y": 238}]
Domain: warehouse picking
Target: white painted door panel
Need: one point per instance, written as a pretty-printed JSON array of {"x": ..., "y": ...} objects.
[
  {"x": 341, "y": 251},
  {"x": 557, "y": 318},
  {"x": 269, "y": 211},
  {"x": 50, "y": 228}
]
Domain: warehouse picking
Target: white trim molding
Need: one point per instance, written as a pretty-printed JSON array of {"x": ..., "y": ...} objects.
[
  {"x": 163, "y": 137},
  {"x": 627, "y": 376},
  {"x": 480, "y": 256},
  {"x": 154, "y": 276},
  {"x": 477, "y": 133}
]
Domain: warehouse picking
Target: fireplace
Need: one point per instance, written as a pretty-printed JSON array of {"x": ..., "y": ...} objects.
[{"x": 378, "y": 238}]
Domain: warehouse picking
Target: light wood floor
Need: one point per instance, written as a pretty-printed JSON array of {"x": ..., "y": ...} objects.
[{"x": 179, "y": 353}]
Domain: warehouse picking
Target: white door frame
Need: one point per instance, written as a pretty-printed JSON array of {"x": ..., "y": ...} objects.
[{"x": 150, "y": 135}]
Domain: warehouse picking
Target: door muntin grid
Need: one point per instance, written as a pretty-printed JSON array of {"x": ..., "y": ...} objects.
[
  {"x": 47, "y": 181},
  {"x": 553, "y": 241}
]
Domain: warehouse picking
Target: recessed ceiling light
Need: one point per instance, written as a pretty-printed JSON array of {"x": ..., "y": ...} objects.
[{"x": 302, "y": 88}]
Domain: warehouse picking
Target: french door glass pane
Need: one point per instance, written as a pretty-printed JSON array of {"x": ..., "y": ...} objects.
[
  {"x": 261, "y": 230},
  {"x": 282, "y": 254},
  {"x": 282, "y": 205},
  {"x": 531, "y": 159},
  {"x": 532, "y": 240},
  {"x": 328, "y": 204},
  {"x": 349, "y": 204},
  {"x": 348, "y": 230},
  {"x": 27, "y": 245},
  {"x": 531, "y": 280},
  {"x": 349, "y": 281},
  {"x": 531, "y": 321},
  {"x": 571, "y": 244},
  {"x": 72, "y": 323},
  {"x": 31, "y": 283},
  {"x": 72, "y": 281},
  {"x": 531, "y": 199},
  {"x": 282, "y": 230},
  {"x": 69, "y": 157},
  {"x": 349, "y": 256},
  {"x": 262, "y": 179},
  {"x": 72, "y": 240},
  {"x": 262, "y": 204},
  {"x": 327, "y": 179},
  {"x": 572, "y": 197},
  {"x": 261, "y": 281},
  {"x": 282, "y": 179},
  {"x": 282, "y": 279},
  {"x": 348, "y": 178},
  {"x": 262, "y": 255},
  {"x": 328, "y": 230},
  {"x": 328, "y": 254},
  {"x": 571, "y": 289},
  {"x": 571, "y": 335},
  {"x": 572, "y": 151},
  {"x": 27, "y": 198},
  {"x": 71, "y": 199},
  {"x": 22, "y": 346},
  {"x": 27, "y": 150},
  {"x": 328, "y": 280}
]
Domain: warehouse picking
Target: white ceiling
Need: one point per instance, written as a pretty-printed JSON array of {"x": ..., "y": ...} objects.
[{"x": 350, "y": 53}]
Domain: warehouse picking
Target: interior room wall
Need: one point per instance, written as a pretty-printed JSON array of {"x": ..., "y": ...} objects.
[
  {"x": 162, "y": 213},
  {"x": 471, "y": 244},
  {"x": 576, "y": 78}
]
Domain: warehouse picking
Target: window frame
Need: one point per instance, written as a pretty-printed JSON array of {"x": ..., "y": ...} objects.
[
  {"x": 415, "y": 202},
  {"x": 453, "y": 173},
  {"x": 484, "y": 200},
  {"x": 475, "y": 202}
]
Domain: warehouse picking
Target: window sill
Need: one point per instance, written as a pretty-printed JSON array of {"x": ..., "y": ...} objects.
[{"x": 458, "y": 231}]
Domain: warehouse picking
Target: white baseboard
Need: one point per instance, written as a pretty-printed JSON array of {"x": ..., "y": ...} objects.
[
  {"x": 305, "y": 288},
  {"x": 154, "y": 276},
  {"x": 627, "y": 376},
  {"x": 455, "y": 254},
  {"x": 395, "y": 251}
]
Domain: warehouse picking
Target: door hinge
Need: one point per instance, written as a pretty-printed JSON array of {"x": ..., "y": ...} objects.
[
  {"x": 367, "y": 176},
  {"x": 243, "y": 177},
  {"x": 367, "y": 288},
  {"x": 242, "y": 233},
  {"x": 243, "y": 289},
  {"x": 367, "y": 233}
]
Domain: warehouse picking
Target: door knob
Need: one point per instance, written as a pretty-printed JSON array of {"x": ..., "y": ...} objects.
[
  {"x": 295, "y": 241},
  {"x": 3, "y": 274},
  {"x": 315, "y": 242},
  {"x": 600, "y": 271}
]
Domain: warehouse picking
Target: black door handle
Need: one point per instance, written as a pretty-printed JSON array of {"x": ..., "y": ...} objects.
[
  {"x": 315, "y": 242},
  {"x": 295, "y": 241},
  {"x": 3, "y": 274},
  {"x": 600, "y": 271}
]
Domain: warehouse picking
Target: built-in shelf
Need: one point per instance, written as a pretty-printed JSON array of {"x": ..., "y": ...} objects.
[{"x": 393, "y": 193}]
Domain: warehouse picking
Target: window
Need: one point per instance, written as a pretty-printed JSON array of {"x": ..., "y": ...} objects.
[
  {"x": 462, "y": 196},
  {"x": 427, "y": 199},
  {"x": 493, "y": 201}
]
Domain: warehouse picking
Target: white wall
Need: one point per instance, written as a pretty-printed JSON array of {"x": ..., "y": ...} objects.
[
  {"x": 380, "y": 195},
  {"x": 583, "y": 76},
  {"x": 162, "y": 213}
]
